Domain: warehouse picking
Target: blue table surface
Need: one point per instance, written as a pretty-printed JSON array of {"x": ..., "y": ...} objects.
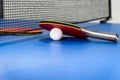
[{"x": 71, "y": 58}]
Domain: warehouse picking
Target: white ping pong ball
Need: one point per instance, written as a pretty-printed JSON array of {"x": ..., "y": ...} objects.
[{"x": 56, "y": 34}]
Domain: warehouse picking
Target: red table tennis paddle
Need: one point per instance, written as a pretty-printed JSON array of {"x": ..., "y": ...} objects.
[{"x": 74, "y": 30}]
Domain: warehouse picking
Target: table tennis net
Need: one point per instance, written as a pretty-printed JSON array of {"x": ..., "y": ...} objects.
[
  {"x": 63, "y": 10},
  {"x": 29, "y": 12}
]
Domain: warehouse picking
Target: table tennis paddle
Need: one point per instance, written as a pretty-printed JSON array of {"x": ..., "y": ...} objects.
[
  {"x": 77, "y": 31},
  {"x": 19, "y": 31}
]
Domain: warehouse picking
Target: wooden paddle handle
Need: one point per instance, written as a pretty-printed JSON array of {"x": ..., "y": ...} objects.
[{"x": 101, "y": 35}]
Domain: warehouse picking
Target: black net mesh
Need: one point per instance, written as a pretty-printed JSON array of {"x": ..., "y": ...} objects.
[{"x": 63, "y": 10}]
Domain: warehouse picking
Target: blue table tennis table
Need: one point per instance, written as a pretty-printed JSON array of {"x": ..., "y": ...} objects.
[{"x": 40, "y": 58}]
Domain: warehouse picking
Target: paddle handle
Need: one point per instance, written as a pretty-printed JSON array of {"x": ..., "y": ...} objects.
[{"x": 101, "y": 35}]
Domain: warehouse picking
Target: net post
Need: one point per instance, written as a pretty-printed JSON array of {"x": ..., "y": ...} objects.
[{"x": 1, "y": 9}]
